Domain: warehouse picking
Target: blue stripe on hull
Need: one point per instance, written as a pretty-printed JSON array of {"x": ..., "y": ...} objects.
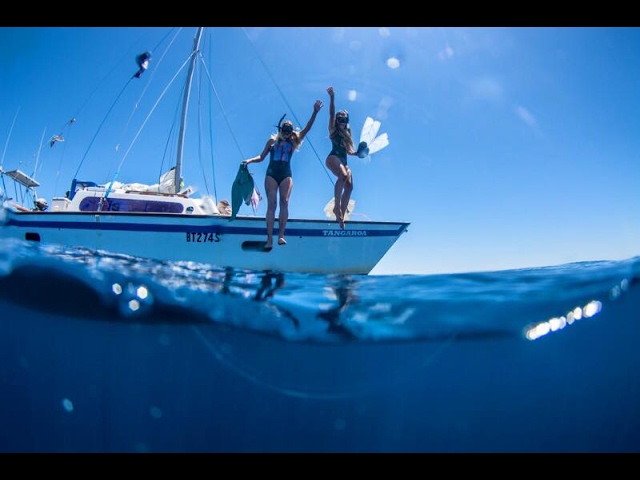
[{"x": 221, "y": 229}]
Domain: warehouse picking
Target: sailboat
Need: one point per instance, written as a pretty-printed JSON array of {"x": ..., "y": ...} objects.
[{"x": 167, "y": 222}]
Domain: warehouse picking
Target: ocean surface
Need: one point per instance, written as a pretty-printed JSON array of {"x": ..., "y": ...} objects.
[{"x": 110, "y": 353}]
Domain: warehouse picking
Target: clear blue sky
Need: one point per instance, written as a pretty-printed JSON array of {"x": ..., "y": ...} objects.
[{"x": 509, "y": 147}]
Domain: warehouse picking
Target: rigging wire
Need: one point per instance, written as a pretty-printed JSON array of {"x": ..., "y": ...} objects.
[
  {"x": 126, "y": 55},
  {"x": 152, "y": 75},
  {"x": 199, "y": 130},
  {"x": 100, "y": 127},
  {"x": 81, "y": 108},
  {"x": 155, "y": 105},
  {"x": 224, "y": 116},
  {"x": 213, "y": 170},
  {"x": 8, "y": 137},
  {"x": 60, "y": 137},
  {"x": 222, "y": 110},
  {"x": 3, "y": 189},
  {"x": 35, "y": 167},
  {"x": 285, "y": 101}
]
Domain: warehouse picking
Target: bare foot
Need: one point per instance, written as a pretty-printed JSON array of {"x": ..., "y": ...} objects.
[
  {"x": 282, "y": 241},
  {"x": 339, "y": 217}
]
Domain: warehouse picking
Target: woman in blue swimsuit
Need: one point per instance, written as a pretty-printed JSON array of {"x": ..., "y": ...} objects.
[
  {"x": 278, "y": 179},
  {"x": 341, "y": 146}
]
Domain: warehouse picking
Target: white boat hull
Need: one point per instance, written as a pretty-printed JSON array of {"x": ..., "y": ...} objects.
[{"x": 313, "y": 246}]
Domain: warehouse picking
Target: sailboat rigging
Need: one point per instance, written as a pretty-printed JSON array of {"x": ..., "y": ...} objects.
[{"x": 164, "y": 221}]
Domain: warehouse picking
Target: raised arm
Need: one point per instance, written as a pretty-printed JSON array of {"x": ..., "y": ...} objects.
[
  {"x": 332, "y": 110},
  {"x": 316, "y": 108}
]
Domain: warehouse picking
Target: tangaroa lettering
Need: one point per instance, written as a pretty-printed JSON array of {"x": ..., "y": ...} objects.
[{"x": 344, "y": 233}]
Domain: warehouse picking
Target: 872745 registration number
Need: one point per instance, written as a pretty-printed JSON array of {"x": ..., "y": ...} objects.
[{"x": 202, "y": 237}]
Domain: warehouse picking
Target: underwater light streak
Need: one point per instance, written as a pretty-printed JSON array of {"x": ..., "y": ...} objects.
[
  {"x": 558, "y": 323},
  {"x": 589, "y": 310}
]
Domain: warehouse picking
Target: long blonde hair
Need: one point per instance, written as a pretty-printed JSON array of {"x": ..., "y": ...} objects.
[{"x": 344, "y": 133}]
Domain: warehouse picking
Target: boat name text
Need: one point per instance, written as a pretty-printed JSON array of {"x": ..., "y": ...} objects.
[{"x": 344, "y": 233}]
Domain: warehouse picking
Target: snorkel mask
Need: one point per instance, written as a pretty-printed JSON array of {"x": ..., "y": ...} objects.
[
  {"x": 286, "y": 127},
  {"x": 342, "y": 117}
]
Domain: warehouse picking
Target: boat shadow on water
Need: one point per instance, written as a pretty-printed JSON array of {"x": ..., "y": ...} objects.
[{"x": 116, "y": 288}]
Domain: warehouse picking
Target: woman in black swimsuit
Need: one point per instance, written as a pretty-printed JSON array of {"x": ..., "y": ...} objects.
[
  {"x": 341, "y": 146},
  {"x": 278, "y": 179}
]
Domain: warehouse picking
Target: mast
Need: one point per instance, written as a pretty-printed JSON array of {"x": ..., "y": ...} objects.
[{"x": 185, "y": 107}]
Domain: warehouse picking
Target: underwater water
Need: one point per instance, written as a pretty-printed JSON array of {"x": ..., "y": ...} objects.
[{"x": 109, "y": 353}]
